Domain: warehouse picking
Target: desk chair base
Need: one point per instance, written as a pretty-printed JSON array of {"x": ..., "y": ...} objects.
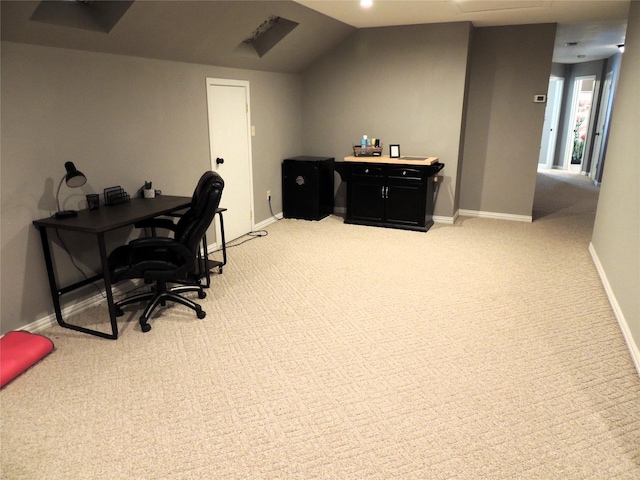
[{"x": 160, "y": 297}]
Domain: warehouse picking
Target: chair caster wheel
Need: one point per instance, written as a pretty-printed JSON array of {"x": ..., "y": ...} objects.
[
  {"x": 119, "y": 311},
  {"x": 145, "y": 327},
  {"x": 202, "y": 294},
  {"x": 201, "y": 314}
]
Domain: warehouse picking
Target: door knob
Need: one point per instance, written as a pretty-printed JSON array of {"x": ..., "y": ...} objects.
[{"x": 219, "y": 161}]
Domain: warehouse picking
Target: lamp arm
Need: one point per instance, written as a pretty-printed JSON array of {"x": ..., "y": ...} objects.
[{"x": 58, "y": 192}]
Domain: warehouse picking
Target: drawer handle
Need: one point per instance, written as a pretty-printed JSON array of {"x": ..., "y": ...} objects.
[{"x": 366, "y": 170}]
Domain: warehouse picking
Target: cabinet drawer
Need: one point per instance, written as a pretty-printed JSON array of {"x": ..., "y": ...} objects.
[
  {"x": 366, "y": 171},
  {"x": 405, "y": 172}
]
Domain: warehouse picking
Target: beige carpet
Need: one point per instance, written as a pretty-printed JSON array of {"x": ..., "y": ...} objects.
[{"x": 486, "y": 349}]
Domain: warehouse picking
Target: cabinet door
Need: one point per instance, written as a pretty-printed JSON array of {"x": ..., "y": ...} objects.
[
  {"x": 405, "y": 197},
  {"x": 365, "y": 200}
]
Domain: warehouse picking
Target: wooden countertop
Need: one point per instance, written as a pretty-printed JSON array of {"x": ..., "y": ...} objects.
[{"x": 387, "y": 159}]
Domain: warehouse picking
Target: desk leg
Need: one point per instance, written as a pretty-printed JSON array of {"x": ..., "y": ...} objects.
[
  {"x": 56, "y": 293},
  {"x": 55, "y": 296},
  {"x": 107, "y": 287},
  {"x": 224, "y": 243}
]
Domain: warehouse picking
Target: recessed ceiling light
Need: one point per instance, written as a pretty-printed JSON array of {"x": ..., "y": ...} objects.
[{"x": 366, "y": 3}]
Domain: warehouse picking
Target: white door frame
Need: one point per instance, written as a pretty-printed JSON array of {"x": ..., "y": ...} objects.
[
  {"x": 601, "y": 128},
  {"x": 571, "y": 124},
  {"x": 212, "y": 82},
  {"x": 552, "y": 111}
]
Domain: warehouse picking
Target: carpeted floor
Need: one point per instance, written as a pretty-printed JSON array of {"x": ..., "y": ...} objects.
[{"x": 483, "y": 349}]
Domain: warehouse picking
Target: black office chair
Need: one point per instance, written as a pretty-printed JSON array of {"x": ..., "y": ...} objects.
[{"x": 162, "y": 260}]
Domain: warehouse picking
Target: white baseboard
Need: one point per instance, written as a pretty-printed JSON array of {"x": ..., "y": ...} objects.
[
  {"x": 445, "y": 220},
  {"x": 268, "y": 221},
  {"x": 80, "y": 306},
  {"x": 496, "y": 215},
  {"x": 634, "y": 349},
  {"x": 342, "y": 212}
]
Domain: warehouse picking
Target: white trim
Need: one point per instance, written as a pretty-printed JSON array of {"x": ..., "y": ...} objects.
[
  {"x": 342, "y": 211},
  {"x": 78, "y": 307},
  {"x": 268, "y": 221},
  {"x": 445, "y": 220},
  {"x": 634, "y": 349},
  {"x": 496, "y": 215}
]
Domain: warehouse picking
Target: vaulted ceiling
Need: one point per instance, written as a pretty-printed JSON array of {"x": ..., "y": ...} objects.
[{"x": 287, "y": 36}]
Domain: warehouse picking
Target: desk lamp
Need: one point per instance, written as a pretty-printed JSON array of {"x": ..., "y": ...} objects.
[{"x": 74, "y": 179}]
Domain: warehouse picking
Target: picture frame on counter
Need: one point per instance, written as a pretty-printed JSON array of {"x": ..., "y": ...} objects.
[{"x": 394, "y": 151}]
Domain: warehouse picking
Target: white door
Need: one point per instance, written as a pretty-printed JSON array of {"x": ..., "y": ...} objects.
[
  {"x": 230, "y": 149},
  {"x": 550, "y": 127},
  {"x": 601, "y": 129}
]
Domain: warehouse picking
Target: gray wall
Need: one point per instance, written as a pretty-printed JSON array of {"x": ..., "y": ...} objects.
[
  {"x": 404, "y": 85},
  {"x": 616, "y": 233},
  {"x": 509, "y": 65},
  {"x": 121, "y": 120},
  {"x": 114, "y": 114}
]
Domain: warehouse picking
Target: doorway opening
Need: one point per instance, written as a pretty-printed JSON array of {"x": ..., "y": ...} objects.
[
  {"x": 579, "y": 123},
  {"x": 550, "y": 127}
]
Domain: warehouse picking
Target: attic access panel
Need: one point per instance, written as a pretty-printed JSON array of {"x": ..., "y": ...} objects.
[
  {"x": 97, "y": 16},
  {"x": 268, "y": 34}
]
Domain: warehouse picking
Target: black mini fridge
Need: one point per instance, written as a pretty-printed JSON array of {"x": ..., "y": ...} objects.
[{"x": 307, "y": 187}]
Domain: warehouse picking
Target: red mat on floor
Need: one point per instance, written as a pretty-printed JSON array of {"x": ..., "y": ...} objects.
[{"x": 20, "y": 350}]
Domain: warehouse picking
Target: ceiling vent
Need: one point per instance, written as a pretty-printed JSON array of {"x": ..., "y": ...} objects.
[
  {"x": 471, "y": 6},
  {"x": 97, "y": 16},
  {"x": 266, "y": 36}
]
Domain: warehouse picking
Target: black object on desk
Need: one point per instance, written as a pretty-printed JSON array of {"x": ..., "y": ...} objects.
[
  {"x": 98, "y": 222},
  {"x": 307, "y": 187}
]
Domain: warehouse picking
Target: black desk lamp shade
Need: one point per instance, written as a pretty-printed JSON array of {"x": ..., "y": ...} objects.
[{"x": 74, "y": 178}]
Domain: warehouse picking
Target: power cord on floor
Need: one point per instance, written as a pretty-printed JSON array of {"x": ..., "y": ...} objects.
[{"x": 251, "y": 235}]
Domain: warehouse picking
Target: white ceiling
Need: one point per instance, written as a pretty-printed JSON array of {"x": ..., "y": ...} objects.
[
  {"x": 597, "y": 26},
  {"x": 211, "y": 32}
]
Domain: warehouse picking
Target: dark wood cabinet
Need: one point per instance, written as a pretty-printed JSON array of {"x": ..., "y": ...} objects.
[{"x": 390, "y": 195}]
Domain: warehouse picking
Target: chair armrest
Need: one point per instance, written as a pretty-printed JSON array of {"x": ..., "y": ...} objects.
[
  {"x": 162, "y": 244},
  {"x": 166, "y": 223},
  {"x": 158, "y": 243}
]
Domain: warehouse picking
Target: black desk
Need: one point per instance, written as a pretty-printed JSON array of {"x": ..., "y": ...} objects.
[{"x": 98, "y": 222}]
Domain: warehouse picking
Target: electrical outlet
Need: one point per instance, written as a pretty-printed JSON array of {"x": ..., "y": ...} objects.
[{"x": 268, "y": 194}]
